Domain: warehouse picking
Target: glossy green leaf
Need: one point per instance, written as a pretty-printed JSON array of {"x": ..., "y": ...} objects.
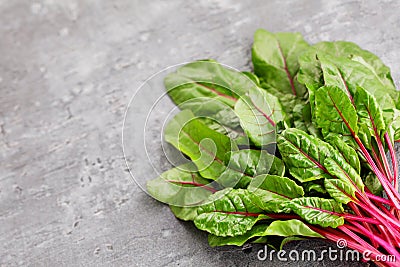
[
  {"x": 369, "y": 113},
  {"x": 215, "y": 114},
  {"x": 347, "y": 74},
  {"x": 206, "y": 147},
  {"x": 353, "y": 52},
  {"x": 312, "y": 188},
  {"x": 340, "y": 190},
  {"x": 347, "y": 152},
  {"x": 231, "y": 212},
  {"x": 206, "y": 78},
  {"x": 318, "y": 211},
  {"x": 259, "y": 112},
  {"x": 274, "y": 192},
  {"x": 309, "y": 158},
  {"x": 240, "y": 240},
  {"x": 250, "y": 163},
  {"x": 334, "y": 111},
  {"x": 304, "y": 155},
  {"x": 290, "y": 228},
  {"x": 275, "y": 59},
  {"x": 184, "y": 213},
  {"x": 181, "y": 186}
]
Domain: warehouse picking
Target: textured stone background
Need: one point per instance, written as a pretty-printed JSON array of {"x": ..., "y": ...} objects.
[{"x": 67, "y": 71}]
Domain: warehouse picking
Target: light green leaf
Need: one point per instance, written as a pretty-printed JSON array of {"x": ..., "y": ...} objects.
[
  {"x": 180, "y": 186},
  {"x": 206, "y": 147},
  {"x": 340, "y": 190},
  {"x": 240, "y": 240},
  {"x": 274, "y": 192},
  {"x": 275, "y": 59},
  {"x": 318, "y": 211},
  {"x": 290, "y": 228},
  {"x": 347, "y": 152},
  {"x": 206, "y": 78},
  {"x": 304, "y": 155},
  {"x": 259, "y": 112},
  {"x": 355, "y": 53},
  {"x": 231, "y": 212},
  {"x": 215, "y": 114},
  {"x": 335, "y": 112}
]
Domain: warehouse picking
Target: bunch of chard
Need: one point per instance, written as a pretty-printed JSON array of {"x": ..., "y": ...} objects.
[{"x": 301, "y": 148}]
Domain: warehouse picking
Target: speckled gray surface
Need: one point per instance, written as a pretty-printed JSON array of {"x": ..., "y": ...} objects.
[{"x": 67, "y": 71}]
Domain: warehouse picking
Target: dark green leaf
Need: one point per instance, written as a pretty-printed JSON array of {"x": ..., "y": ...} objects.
[
  {"x": 252, "y": 163},
  {"x": 373, "y": 184}
]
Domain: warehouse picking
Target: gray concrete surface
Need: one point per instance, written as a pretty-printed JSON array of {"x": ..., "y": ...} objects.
[{"x": 67, "y": 71}]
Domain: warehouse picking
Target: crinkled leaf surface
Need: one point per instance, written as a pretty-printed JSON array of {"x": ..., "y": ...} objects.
[
  {"x": 318, "y": 211},
  {"x": 231, "y": 212},
  {"x": 274, "y": 192}
]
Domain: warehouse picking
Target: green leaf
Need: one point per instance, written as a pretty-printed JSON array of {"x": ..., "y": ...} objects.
[
  {"x": 282, "y": 186},
  {"x": 348, "y": 74},
  {"x": 318, "y": 211},
  {"x": 184, "y": 213},
  {"x": 206, "y": 147},
  {"x": 252, "y": 77},
  {"x": 252, "y": 163},
  {"x": 290, "y": 228},
  {"x": 340, "y": 190},
  {"x": 338, "y": 167},
  {"x": 259, "y": 112},
  {"x": 334, "y": 111},
  {"x": 370, "y": 114},
  {"x": 373, "y": 184},
  {"x": 347, "y": 152},
  {"x": 310, "y": 72},
  {"x": 274, "y": 192},
  {"x": 304, "y": 155},
  {"x": 231, "y": 212},
  {"x": 206, "y": 78},
  {"x": 240, "y": 240},
  {"x": 275, "y": 59},
  {"x": 309, "y": 187},
  {"x": 355, "y": 53},
  {"x": 181, "y": 186},
  {"x": 215, "y": 114},
  {"x": 309, "y": 158}
]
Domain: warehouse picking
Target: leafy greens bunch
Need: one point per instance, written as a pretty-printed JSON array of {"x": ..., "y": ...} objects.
[{"x": 295, "y": 150}]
